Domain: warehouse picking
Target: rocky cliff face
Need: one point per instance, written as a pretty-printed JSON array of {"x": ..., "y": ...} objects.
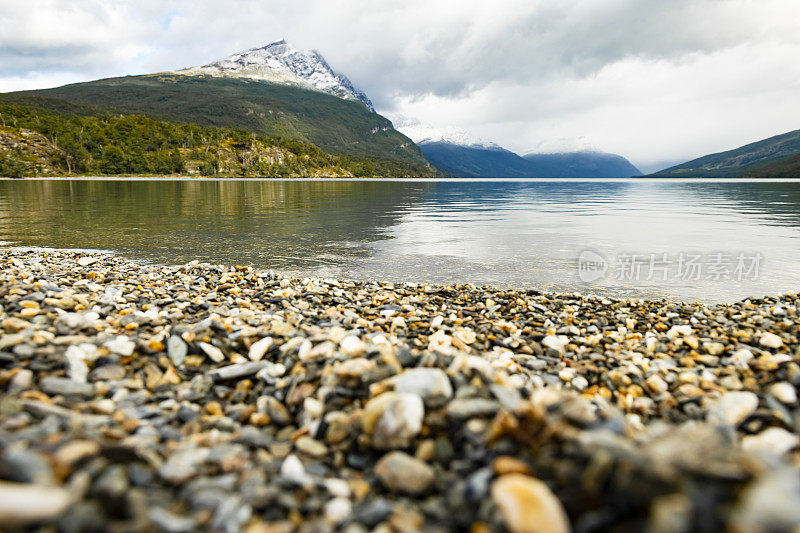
[
  {"x": 25, "y": 152},
  {"x": 279, "y": 62}
]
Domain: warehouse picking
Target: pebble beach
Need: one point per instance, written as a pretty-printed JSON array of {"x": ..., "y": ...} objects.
[{"x": 140, "y": 397}]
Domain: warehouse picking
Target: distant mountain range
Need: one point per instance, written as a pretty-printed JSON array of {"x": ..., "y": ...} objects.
[
  {"x": 474, "y": 161},
  {"x": 776, "y": 157},
  {"x": 481, "y": 161}
]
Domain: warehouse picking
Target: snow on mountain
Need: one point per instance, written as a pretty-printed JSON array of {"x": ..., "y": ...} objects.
[
  {"x": 279, "y": 62},
  {"x": 424, "y": 134}
]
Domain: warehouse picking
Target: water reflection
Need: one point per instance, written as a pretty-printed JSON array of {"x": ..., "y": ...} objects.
[
  {"x": 281, "y": 224},
  {"x": 502, "y": 233}
]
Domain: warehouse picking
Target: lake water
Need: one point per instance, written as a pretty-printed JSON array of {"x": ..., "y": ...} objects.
[{"x": 718, "y": 241}]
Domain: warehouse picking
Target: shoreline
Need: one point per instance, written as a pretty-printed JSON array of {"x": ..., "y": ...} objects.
[
  {"x": 422, "y": 180},
  {"x": 225, "y": 398}
]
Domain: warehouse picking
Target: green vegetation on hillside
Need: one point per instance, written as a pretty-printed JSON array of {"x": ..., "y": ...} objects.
[
  {"x": 57, "y": 138},
  {"x": 334, "y": 125},
  {"x": 769, "y": 158},
  {"x": 786, "y": 168}
]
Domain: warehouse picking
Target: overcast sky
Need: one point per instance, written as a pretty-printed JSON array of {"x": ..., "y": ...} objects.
[{"x": 654, "y": 80}]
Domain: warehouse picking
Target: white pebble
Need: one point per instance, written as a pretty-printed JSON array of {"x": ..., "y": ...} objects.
[
  {"x": 684, "y": 330},
  {"x": 352, "y": 346},
  {"x": 337, "y": 510},
  {"x": 292, "y": 470},
  {"x": 733, "y": 407},
  {"x": 313, "y": 407},
  {"x": 121, "y": 345},
  {"x": 770, "y": 340},
  {"x": 773, "y": 441},
  {"x": 259, "y": 348},
  {"x": 77, "y": 370},
  {"x": 556, "y": 342},
  {"x": 784, "y": 392},
  {"x": 213, "y": 353}
]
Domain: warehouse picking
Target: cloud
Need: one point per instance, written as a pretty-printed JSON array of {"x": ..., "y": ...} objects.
[
  {"x": 57, "y": 36},
  {"x": 647, "y": 110},
  {"x": 649, "y": 79}
]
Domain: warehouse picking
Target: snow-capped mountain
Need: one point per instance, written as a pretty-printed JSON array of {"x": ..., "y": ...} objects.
[
  {"x": 424, "y": 134},
  {"x": 279, "y": 62}
]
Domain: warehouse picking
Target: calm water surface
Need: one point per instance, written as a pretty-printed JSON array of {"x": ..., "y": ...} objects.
[{"x": 516, "y": 234}]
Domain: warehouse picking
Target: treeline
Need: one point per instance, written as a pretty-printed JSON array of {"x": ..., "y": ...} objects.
[{"x": 110, "y": 144}]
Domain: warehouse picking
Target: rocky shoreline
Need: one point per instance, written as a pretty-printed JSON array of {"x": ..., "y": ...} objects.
[{"x": 201, "y": 397}]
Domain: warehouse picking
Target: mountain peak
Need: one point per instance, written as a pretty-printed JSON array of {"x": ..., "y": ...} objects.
[
  {"x": 279, "y": 62},
  {"x": 279, "y": 42},
  {"x": 425, "y": 134}
]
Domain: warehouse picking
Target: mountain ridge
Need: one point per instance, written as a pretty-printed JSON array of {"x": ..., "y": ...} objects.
[
  {"x": 335, "y": 125},
  {"x": 424, "y": 134},
  {"x": 766, "y": 158},
  {"x": 582, "y": 164},
  {"x": 497, "y": 162},
  {"x": 279, "y": 62}
]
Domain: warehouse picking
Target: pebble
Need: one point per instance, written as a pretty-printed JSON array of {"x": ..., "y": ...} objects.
[
  {"x": 275, "y": 409},
  {"x": 430, "y": 384},
  {"x": 784, "y": 392},
  {"x": 352, "y": 346},
  {"x": 259, "y": 348},
  {"x": 400, "y": 422},
  {"x": 76, "y": 451},
  {"x": 714, "y": 348},
  {"x": 556, "y": 342},
  {"x": 77, "y": 370},
  {"x": 741, "y": 358},
  {"x": 509, "y": 465},
  {"x": 770, "y": 340},
  {"x": 374, "y": 409},
  {"x": 580, "y": 383},
  {"x": 462, "y": 408},
  {"x": 354, "y": 368},
  {"x": 183, "y": 464},
  {"x": 169, "y": 522},
  {"x": 733, "y": 408},
  {"x": 312, "y": 447},
  {"x": 231, "y": 514},
  {"x": 238, "y": 370},
  {"x": 108, "y": 373},
  {"x": 87, "y": 260},
  {"x": 337, "y": 510},
  {"x": 292, "y": 470},
  {"x": 684, "y": 330},
  {"x": 313, "y": 408},
  {"x": 528, "y": 505},
  {"x": 399, "y": 472},
  {"x": 771, "y": 440},
  {"x": 772, "y": 503},
  {"x": 22, "y": 380},
  {"x": 55, "y": 385},
  {"x": 213, "y": 353},
  {"x": 656, "y": 384},
  {"x": 121, "y": 345},
  {"x": 25, "y": 504},
  {"x": 177, "y": 350}
]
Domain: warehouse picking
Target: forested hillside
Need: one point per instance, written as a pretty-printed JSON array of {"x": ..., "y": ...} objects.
[
  {"x": 59, "y": 138},
  {"x": 335, "y": 125}
]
